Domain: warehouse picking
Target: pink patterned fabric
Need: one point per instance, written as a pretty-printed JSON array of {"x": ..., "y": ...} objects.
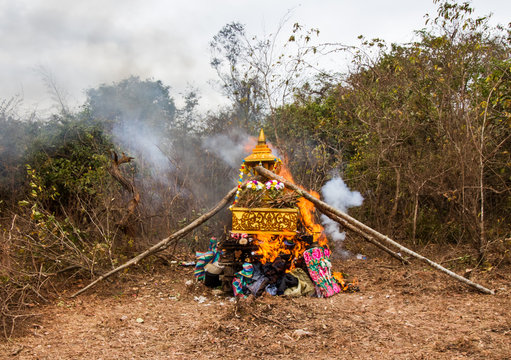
[{"x": 319, "y": 266}]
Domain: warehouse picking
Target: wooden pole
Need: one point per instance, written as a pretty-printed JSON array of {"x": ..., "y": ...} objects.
[
  {"x": 165, "y": 242},
  {"x": 360, "y": 227},
  {"x": 366, "y": 237}
]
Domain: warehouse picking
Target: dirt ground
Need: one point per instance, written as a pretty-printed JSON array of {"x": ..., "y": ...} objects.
[{"x": 401, "y": 312}]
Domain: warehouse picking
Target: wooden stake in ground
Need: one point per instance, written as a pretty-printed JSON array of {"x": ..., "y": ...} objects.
[
  {"x": 165, "y": 242},
  {"x": 362, "y": 228}
]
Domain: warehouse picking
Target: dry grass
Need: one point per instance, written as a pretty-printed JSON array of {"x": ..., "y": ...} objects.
[{"x": 401, "y": 313}]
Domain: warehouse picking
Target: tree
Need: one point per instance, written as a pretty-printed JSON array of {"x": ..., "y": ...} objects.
[
  {"x": 257, "y": 74},
  {"x": 147, "y": 102},
  {"x": 230, "y": 57},
  {"x": 422, "y": 130}
]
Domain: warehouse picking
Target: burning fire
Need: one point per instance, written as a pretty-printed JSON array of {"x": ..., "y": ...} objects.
[
  {"x": 284, "y": 246},
  {"x": 307, "y": 209},
  {"x": 345, "y": 286},
  {"x": 273, "y": 246}
]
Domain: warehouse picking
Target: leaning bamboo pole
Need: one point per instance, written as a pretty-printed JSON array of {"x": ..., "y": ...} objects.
[
  {"x": 165, "y": 242},
  {"x": 360, "y": 227},
  {"x": 366, "y": 237}
]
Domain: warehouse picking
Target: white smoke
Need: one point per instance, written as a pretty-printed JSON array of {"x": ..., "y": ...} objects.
[
  {"x": 337, "y": 194},
  {"x": 144, "y": 141},
  {"x": 231, "y": 148}
]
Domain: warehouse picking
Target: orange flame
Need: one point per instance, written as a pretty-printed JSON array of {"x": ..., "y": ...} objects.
[
  {"x": 340, "y": 280},
  {"x": 345, "y": 286},
  {"x": 273, "y": 246},
  {"x": 307, "y": 213},
  {"x": 285, "y": 172},
  {"x": 307, "y": 209}
]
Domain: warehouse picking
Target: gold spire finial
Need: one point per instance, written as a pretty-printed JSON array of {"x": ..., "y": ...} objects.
[
  {"x": 262, "y": 138},
  {"x": 261, "y": 154}
]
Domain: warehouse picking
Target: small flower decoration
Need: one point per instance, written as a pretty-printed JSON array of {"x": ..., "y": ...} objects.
[
  {"x": 274, "y": 185},
  {"x": 240, "y": 181},
  {"x": 255, "y": 185},
  {"x": 276, "y": 164}
]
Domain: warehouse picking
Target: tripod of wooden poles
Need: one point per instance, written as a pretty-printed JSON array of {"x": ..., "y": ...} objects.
[{"x": 367, "y": 233}]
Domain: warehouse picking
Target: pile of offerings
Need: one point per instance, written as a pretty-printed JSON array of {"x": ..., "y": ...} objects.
[{"x": 310, "y": 277}]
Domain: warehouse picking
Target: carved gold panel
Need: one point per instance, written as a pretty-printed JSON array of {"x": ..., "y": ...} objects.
[{"x": 273, "y": 221}]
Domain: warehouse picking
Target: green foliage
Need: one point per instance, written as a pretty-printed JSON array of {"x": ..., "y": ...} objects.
[
  {"x": 421, "y": 129},
  {"x": 16, "y": 137},
  {"x": 67, "y": 161},
  {"x": 66, "y": 179}
]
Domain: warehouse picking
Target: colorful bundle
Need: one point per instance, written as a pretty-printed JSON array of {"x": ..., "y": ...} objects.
[
  {"x": 319, "y": 266},
  {"x": 204, "y": 258},
  {"x": 242, "y": 279}
]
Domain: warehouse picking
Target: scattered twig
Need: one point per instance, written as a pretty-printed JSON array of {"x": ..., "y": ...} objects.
[
  {"x": 17, "y": 351},
  {"x": 268, "y": 319}
]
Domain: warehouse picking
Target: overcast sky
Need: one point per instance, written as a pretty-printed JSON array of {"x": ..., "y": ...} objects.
[{"x": 82, "y": 44}]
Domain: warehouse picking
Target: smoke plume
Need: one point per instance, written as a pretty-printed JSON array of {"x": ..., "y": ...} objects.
[
  {"x": 230, "y": 148},
  {"x": 138, "y": 138},
  {"x": 337, "y": 194}
]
